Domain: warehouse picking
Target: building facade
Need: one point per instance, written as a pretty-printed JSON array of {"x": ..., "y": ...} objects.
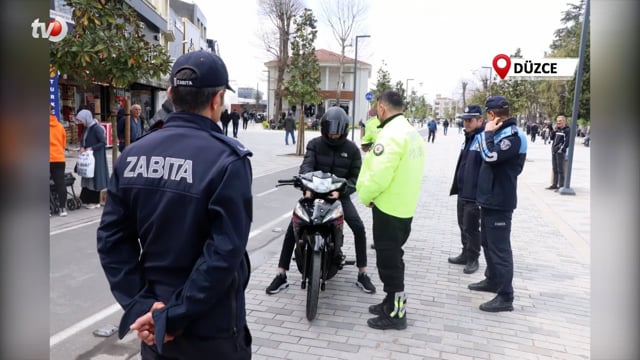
[
  {"x": 329, "y": 74},
  {"x": 444, "y": 107}
]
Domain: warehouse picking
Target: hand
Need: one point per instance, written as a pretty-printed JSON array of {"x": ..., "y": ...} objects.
[
  {"x": 491, "y": 125},
  {"x": 145, "y": 327},
  {"x": 308, "y": 194}
]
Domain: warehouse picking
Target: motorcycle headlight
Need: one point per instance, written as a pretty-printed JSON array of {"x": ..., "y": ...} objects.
[
  {"x": 301, "y": 212},
  {"x": 333, "y": 214}
]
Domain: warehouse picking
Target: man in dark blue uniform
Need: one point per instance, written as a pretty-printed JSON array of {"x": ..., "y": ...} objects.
[
  {"x": 173, "y": 235},
  {"x": 465, "y": 185},
  {"x": 504, "y": 149}
]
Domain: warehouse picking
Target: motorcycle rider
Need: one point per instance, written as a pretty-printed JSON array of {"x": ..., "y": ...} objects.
[{"x": 333, "y": 153}]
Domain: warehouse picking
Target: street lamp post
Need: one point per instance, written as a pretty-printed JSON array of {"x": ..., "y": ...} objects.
[
  {"x": 490, "y": 77},
  {"x": 355, "y": 87}
]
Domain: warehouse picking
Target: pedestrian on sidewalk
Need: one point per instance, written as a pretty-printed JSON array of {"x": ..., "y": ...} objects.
[
  {"x": 504, "y": 150},
  {"x": 558, "y": 149},
  {"x": 465, "y": 185},
  {"x": 445, "y": 126},
  {"x": 390, "y": 183},
  {"x": 172, "y": 243},
  {"x": 289, "y": 126},
  {"x": 235, "y": 121},
  {"x": 161, "y": 116},
  {"x": 432, "y": 125},
  {"x": 225, "y": 118},
  {"x": 93, "y": 138},
  {"x": 333, "y": 153},
  {"x": 57, "y": 165}
]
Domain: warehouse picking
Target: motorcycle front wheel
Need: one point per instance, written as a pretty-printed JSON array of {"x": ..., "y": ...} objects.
[{"x": 313, "y": 287}]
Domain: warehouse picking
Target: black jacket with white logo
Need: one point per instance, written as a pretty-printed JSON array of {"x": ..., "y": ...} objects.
[
  {"x": 339, "y": 157},
  {"x": 175, "y": 229}
]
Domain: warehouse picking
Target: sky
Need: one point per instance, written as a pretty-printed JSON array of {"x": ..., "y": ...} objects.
[{"x": 439, "y": 44}]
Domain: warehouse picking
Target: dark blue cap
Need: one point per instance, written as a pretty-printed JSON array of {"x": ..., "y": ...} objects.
[
  {"x": 472, "y": 111},
  {"x": 496, "y": 102},
  {"x": 210, "y": 70}
]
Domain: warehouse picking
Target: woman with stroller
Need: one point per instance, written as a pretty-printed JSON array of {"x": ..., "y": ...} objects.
[
  {"x": 57, "y": 143},
  {"x": 93, "y": 138}
]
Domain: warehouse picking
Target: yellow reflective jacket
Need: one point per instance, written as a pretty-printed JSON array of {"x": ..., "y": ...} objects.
[
  {"x": 371, "y": 130},
  {"x": 391, "y": 173}
]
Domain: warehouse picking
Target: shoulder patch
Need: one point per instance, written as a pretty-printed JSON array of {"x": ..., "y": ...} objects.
[
  {"x": 378, "y": 149},
  {"x": 505, "y": 144}
]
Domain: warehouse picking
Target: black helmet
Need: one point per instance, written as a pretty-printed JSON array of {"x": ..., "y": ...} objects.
[{"x": 334, "y": 121}]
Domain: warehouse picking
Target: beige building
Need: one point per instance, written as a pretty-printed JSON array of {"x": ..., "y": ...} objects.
[
  {"x": 329, "y": 70},
  {"x": 444, "y": 107}
]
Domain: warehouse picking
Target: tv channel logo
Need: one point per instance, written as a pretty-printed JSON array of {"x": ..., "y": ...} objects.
[{"x": 55, "y": 30}]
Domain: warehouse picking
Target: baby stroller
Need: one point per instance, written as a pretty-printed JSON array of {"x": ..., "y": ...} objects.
[{"x": 73, "y": 201}]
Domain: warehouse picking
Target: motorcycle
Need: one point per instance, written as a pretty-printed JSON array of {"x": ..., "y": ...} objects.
[{"x": 317, "y": 225}]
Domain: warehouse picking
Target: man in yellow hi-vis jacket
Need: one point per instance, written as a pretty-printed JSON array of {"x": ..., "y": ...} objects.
[
  {"x": 371, "y": 130},
  {"x": 390, "y": 182}
]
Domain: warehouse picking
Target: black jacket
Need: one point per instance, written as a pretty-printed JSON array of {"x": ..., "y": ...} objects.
[
  {"x": 503, "y": 153},
  {"x": 561, "y": 140},
  {"x": 342, "y": 159},
  {"x": 175, "y": 229},
  {"x": 465, "y": 179}
]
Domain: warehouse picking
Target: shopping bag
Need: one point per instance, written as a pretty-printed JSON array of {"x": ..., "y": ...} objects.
[{"x": 86, "y": 164}]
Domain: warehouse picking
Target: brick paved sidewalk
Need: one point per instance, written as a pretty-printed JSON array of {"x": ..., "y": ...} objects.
[{"x": 550, "y": 240}]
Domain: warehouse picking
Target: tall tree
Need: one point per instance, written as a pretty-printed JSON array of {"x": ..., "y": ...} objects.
[
  {"x": 343, "y": 17},
  {"x": 280, "y": 14},
  {"x": 383, "y": 82},
  {"x": 107, "y": 45},
  {"x": 464, "y": 84},
  {"x": 304, "y": 70}
]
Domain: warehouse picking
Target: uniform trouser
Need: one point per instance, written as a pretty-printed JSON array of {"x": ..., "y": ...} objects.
[
  {"x": 496, "y": 240},
  {"x": 390, "y": 233},
  {"x": 557, "y": 162},
  {"x": 56, "y": 171},
  {"x": 352, "y": 219},
  {"x": 469, "y": 223},
  {"x": 192, "y": 348}
]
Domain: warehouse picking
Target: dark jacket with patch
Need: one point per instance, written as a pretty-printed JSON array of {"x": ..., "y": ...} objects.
[
  {"x": 503, "y": 152},
  {"x": 465, "y": 179},
  {"x": 342, "y": 159},
  {"x": 175, "y": 229},
  {"x": 561, "y": 140}
]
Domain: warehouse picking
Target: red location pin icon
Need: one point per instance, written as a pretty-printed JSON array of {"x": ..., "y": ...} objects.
[{"x": 502, "y": 71}]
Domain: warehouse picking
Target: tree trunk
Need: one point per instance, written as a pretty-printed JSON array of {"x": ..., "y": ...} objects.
[
  {"x": 340, "y": 78},
  {"x": 301, "y": 125}
]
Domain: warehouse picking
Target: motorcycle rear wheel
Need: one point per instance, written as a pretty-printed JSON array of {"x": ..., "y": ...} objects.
[{"x": 313, "y": 287}]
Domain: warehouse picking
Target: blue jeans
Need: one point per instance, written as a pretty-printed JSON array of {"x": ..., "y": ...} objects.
[{"x": 286, "y": 137}]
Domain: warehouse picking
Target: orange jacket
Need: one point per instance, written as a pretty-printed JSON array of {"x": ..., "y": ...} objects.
[{"x": 57, "y": 140}]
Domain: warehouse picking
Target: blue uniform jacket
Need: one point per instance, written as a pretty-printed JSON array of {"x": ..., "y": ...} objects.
[
  {"x": 465, "y": 180},
  {"x": 175, "y": 229},
  {"x": 503, "y": 152}
]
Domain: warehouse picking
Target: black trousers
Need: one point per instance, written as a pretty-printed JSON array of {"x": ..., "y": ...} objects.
[
  {"x": 56, "y": 171},
  {"x": 244, "y": 124},
  {"x": 557, "y": 161},
  {"x": 190, "y": 348},
  {"x": 496, "y": 240},
  {"x": 469, "y": 224},
  {"x": 354, "y": 222},
  {"x": 390, "y": 233},
  {"x": 236, "y": 124},
  {"x": 432, "y": 136},
  {"x": 225, "y": 128}
]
